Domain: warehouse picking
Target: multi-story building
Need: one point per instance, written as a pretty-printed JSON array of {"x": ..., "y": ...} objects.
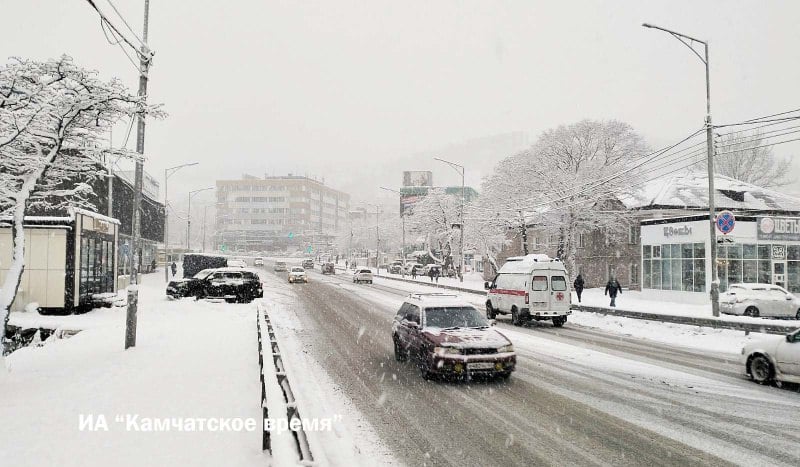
[{"x": 262, "y": 214}]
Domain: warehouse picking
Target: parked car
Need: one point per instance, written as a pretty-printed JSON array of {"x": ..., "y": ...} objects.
[
  {"x": 396, "y": 267},
  {"x": 776, "y": 358},
  {"x": 328, "y": 268},
  {"x": 411, "y": 266},
  {"x": 362, "y": 275},
  {"x": 426, "y": 270},
  {"x": 308, "y": 263},
  {"x": 188, "y": 287},
  {"x": 445, "y": 335},
  {"x": 298, "y": 274},
  {"x": 534, "y": 287},
  {"x": 280, "y": 266},
  {"x": 258, "y": 262},
  {"x": 237, "y": 263},
  {"x": 231, "y": 284},
  {"x": 750, "y": 299}
]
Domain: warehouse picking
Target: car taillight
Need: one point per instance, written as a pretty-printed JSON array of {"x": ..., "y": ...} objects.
[{"x": 527, "y": 298}]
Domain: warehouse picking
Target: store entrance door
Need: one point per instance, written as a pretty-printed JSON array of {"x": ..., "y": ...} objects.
[{"x": 779, "y": 273}]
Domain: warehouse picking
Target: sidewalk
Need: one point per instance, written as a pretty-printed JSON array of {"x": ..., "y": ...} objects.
[{"x": 192, "y": 360}]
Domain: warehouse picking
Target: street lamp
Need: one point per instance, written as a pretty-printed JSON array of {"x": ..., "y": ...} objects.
[
  {"x": 710, "y": 146},
  {"x": 189, "y": 213},
  {"x": 377, "y": 241},
  {"x": 403, "y": 221},
  {"x": 460, "y": 169},
  {"x": 167, "y": 173}
]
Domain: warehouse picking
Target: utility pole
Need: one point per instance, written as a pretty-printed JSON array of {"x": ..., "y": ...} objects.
[
  {"x": 714, "y": 290},
  {"x": 145, "y": 58},
  {"x": 403, "y": 222},
  {"x": 203, "y": 246},
  {"x": 189, "y": 214},
  {"x": 167, "y": 173}
]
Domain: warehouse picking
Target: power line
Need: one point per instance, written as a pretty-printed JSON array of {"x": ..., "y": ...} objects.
[
  {"x": 116, "y": 30},
  {"x": 125, "y": 22}
]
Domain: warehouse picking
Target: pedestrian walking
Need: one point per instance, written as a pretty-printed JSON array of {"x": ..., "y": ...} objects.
[
  {"x": 436, "y": 273},
  {"x": 346, "y": 264},
  {"x": 153, "y": 266},
  {"x": 578, "y": 286},
  {"x": 612, "y": 289},
  {"x": 174, "y": 268},
  {"x": 431, "y": 273},
  {"x": 414, "y": 272}
]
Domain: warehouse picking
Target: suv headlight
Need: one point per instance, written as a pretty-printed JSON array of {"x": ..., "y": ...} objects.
[
  {"x": 506, "y": 348},
  {"x": 446, "y": 351}
]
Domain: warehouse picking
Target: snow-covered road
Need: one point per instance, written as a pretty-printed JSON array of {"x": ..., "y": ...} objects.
[{"x": 580, "y": 396}]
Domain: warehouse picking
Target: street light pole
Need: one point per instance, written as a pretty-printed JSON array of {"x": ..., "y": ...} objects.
[
  {"x": 403, "y": 222},
  {"x": 710, "y": 150},
  {"x": 167, "y": 173},
  {"x": 189, "y": 213},
  {"x": 460, "y": 169}
]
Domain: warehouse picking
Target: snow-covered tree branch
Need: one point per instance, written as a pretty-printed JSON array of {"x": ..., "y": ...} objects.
[{"x": 53, "y": 115}]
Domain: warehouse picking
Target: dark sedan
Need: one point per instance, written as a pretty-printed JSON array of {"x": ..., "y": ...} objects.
[{"x": 188, "y": 287}]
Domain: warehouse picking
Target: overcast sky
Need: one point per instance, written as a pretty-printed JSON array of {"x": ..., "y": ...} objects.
[{"x": 357, "y": 91}]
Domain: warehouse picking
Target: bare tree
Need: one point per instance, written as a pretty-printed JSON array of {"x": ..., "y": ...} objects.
[
  {"x": 53, "y": 114},
  {"x": 434, "y": 217},
  {"x": 742, "y": 156},
  {"x": 567, "y": 182}
]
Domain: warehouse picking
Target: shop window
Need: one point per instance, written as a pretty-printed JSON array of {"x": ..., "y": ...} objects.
[
  {"x": 764, "y": 271},
  {"x": 699, "y": 275},
  {"x": 793, "y": 276},
  {"x": 699, "y": 250},
  {"x": 656, "y": 251},
  {"x": 676, "y": 274},
  {"x": 656, "y": 274},
  {"x": 687, "y": 275},
  {"x": 749, "y": 251},
  {"x": 793, "y": 252},
  {"x": 646, "y": 251},
  {"x": 646, "y": 282},
  {"x": 676, "y": 250},
  {"x": 666, "y": 275},
  {"x": 687, "y": 250},
  {"x": 750, "y": 271},
  {"x": 764, "y": 252}
]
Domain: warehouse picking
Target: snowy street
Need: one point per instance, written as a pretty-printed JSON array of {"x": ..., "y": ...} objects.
[{"x": 579, "y": 396}]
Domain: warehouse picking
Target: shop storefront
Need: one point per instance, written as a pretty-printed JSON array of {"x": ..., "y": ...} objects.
[
  {"x": 69, "y": 260},
  {"x": 675, "y": 253}
]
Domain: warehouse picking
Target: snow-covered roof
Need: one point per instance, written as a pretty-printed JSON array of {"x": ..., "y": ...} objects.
[
  {"x": 72, "y": 211},
  {"x": 525, "y": 264},
  {"x": 689, "y": 190}
]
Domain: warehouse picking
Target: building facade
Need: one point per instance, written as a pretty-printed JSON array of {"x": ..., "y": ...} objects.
[{"x": 265, "y": 214}]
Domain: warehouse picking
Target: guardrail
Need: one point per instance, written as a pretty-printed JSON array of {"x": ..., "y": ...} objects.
[{"x": 267, "y": 342}]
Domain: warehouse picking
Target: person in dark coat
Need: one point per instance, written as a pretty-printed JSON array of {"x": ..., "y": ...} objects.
[
  {"x": 612, "y": 289},
  {"x": 578, "y": 286},
  {"x": 174, "y": 268},
  {"x": 431, "y": 273},
  {"x": 153, "y": 266}
]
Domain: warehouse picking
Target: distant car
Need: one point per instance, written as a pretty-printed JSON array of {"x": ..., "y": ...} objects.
[
  {"x": 308, "y": 263},
  {"x": 233, "y": 284},
  {"x": 750, "y": 299},
  {"x": 298, "y": 274},
  {"x": 776, "y": 358},
  {"x": 410, "y": 267},
  {"x": 445, "y": 335},
  {"x": 258, "y": 262},
  {"x": 362, "y": 275},
  {"x": 188, "y": 287},
  {"x": 426, "y": 270},
  {"x": 236, "y": 263},
  {"x": 328, "y": 268},
  {"x": 396, "y": 267},
  {"x": 280, "y": 266}
]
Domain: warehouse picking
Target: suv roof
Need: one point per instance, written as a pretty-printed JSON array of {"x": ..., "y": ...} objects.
[{"x": 436, "y": 299}]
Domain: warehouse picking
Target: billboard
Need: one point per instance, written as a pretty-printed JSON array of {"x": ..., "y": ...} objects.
[
  {"x": 417, "y": 178},
  {"x": 778, "y": 228}
]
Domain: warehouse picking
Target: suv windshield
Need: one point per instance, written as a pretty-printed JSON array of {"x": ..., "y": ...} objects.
[
  {"x": 454, "y": 317},
  {"x": 296, "y": 269}
]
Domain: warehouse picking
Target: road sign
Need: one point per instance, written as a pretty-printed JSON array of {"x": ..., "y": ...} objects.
[
  {"x": 310, "y": 249},
  {"x": 223, "y": 247},
  {"x": 291, "y": 234},
  {"x": 726, "y": 221}
]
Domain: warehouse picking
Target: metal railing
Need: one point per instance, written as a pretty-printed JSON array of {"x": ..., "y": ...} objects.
[{"x": 267, "y": 342}]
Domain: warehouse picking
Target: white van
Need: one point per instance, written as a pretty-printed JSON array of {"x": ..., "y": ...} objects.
[{"x": 530, "y": 287}]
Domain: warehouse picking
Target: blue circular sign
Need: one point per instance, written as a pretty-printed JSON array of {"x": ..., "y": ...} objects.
[{"x": 726, "y": 222}]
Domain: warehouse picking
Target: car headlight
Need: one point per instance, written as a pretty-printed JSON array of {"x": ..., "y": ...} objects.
[
  {"x": 506, "y": 348},
  {"x": 441, "y": 351}
]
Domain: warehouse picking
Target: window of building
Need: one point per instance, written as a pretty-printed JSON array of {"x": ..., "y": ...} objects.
[
  {"x": 634, "y": 273},
  {"x": 581, "y": 241},
  {"x": 242, "y": 199},
  {"x": 633, "y": 235},
  {"x": 677, "y": 266}
]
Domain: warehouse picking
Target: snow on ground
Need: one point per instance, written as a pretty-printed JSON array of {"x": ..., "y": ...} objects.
[
  {"x": 193, "y": 360},
  {"x": 353, "y": 441}
]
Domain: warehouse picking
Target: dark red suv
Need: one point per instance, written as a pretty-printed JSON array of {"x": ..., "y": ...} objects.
[{"x": 445, "y": 335}]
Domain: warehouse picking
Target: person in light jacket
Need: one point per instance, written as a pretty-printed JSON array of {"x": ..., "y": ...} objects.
[
  {"x": 612, "y": 289},
  {"x": 578, "y": 286}
]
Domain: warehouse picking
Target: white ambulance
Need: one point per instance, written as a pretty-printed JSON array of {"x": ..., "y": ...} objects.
[{"x": 532, "y": 287}]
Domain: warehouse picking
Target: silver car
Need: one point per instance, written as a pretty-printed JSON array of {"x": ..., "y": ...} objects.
[
  {"x": 759, "y": 300},
  {"x": 773, "y": 358}
]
